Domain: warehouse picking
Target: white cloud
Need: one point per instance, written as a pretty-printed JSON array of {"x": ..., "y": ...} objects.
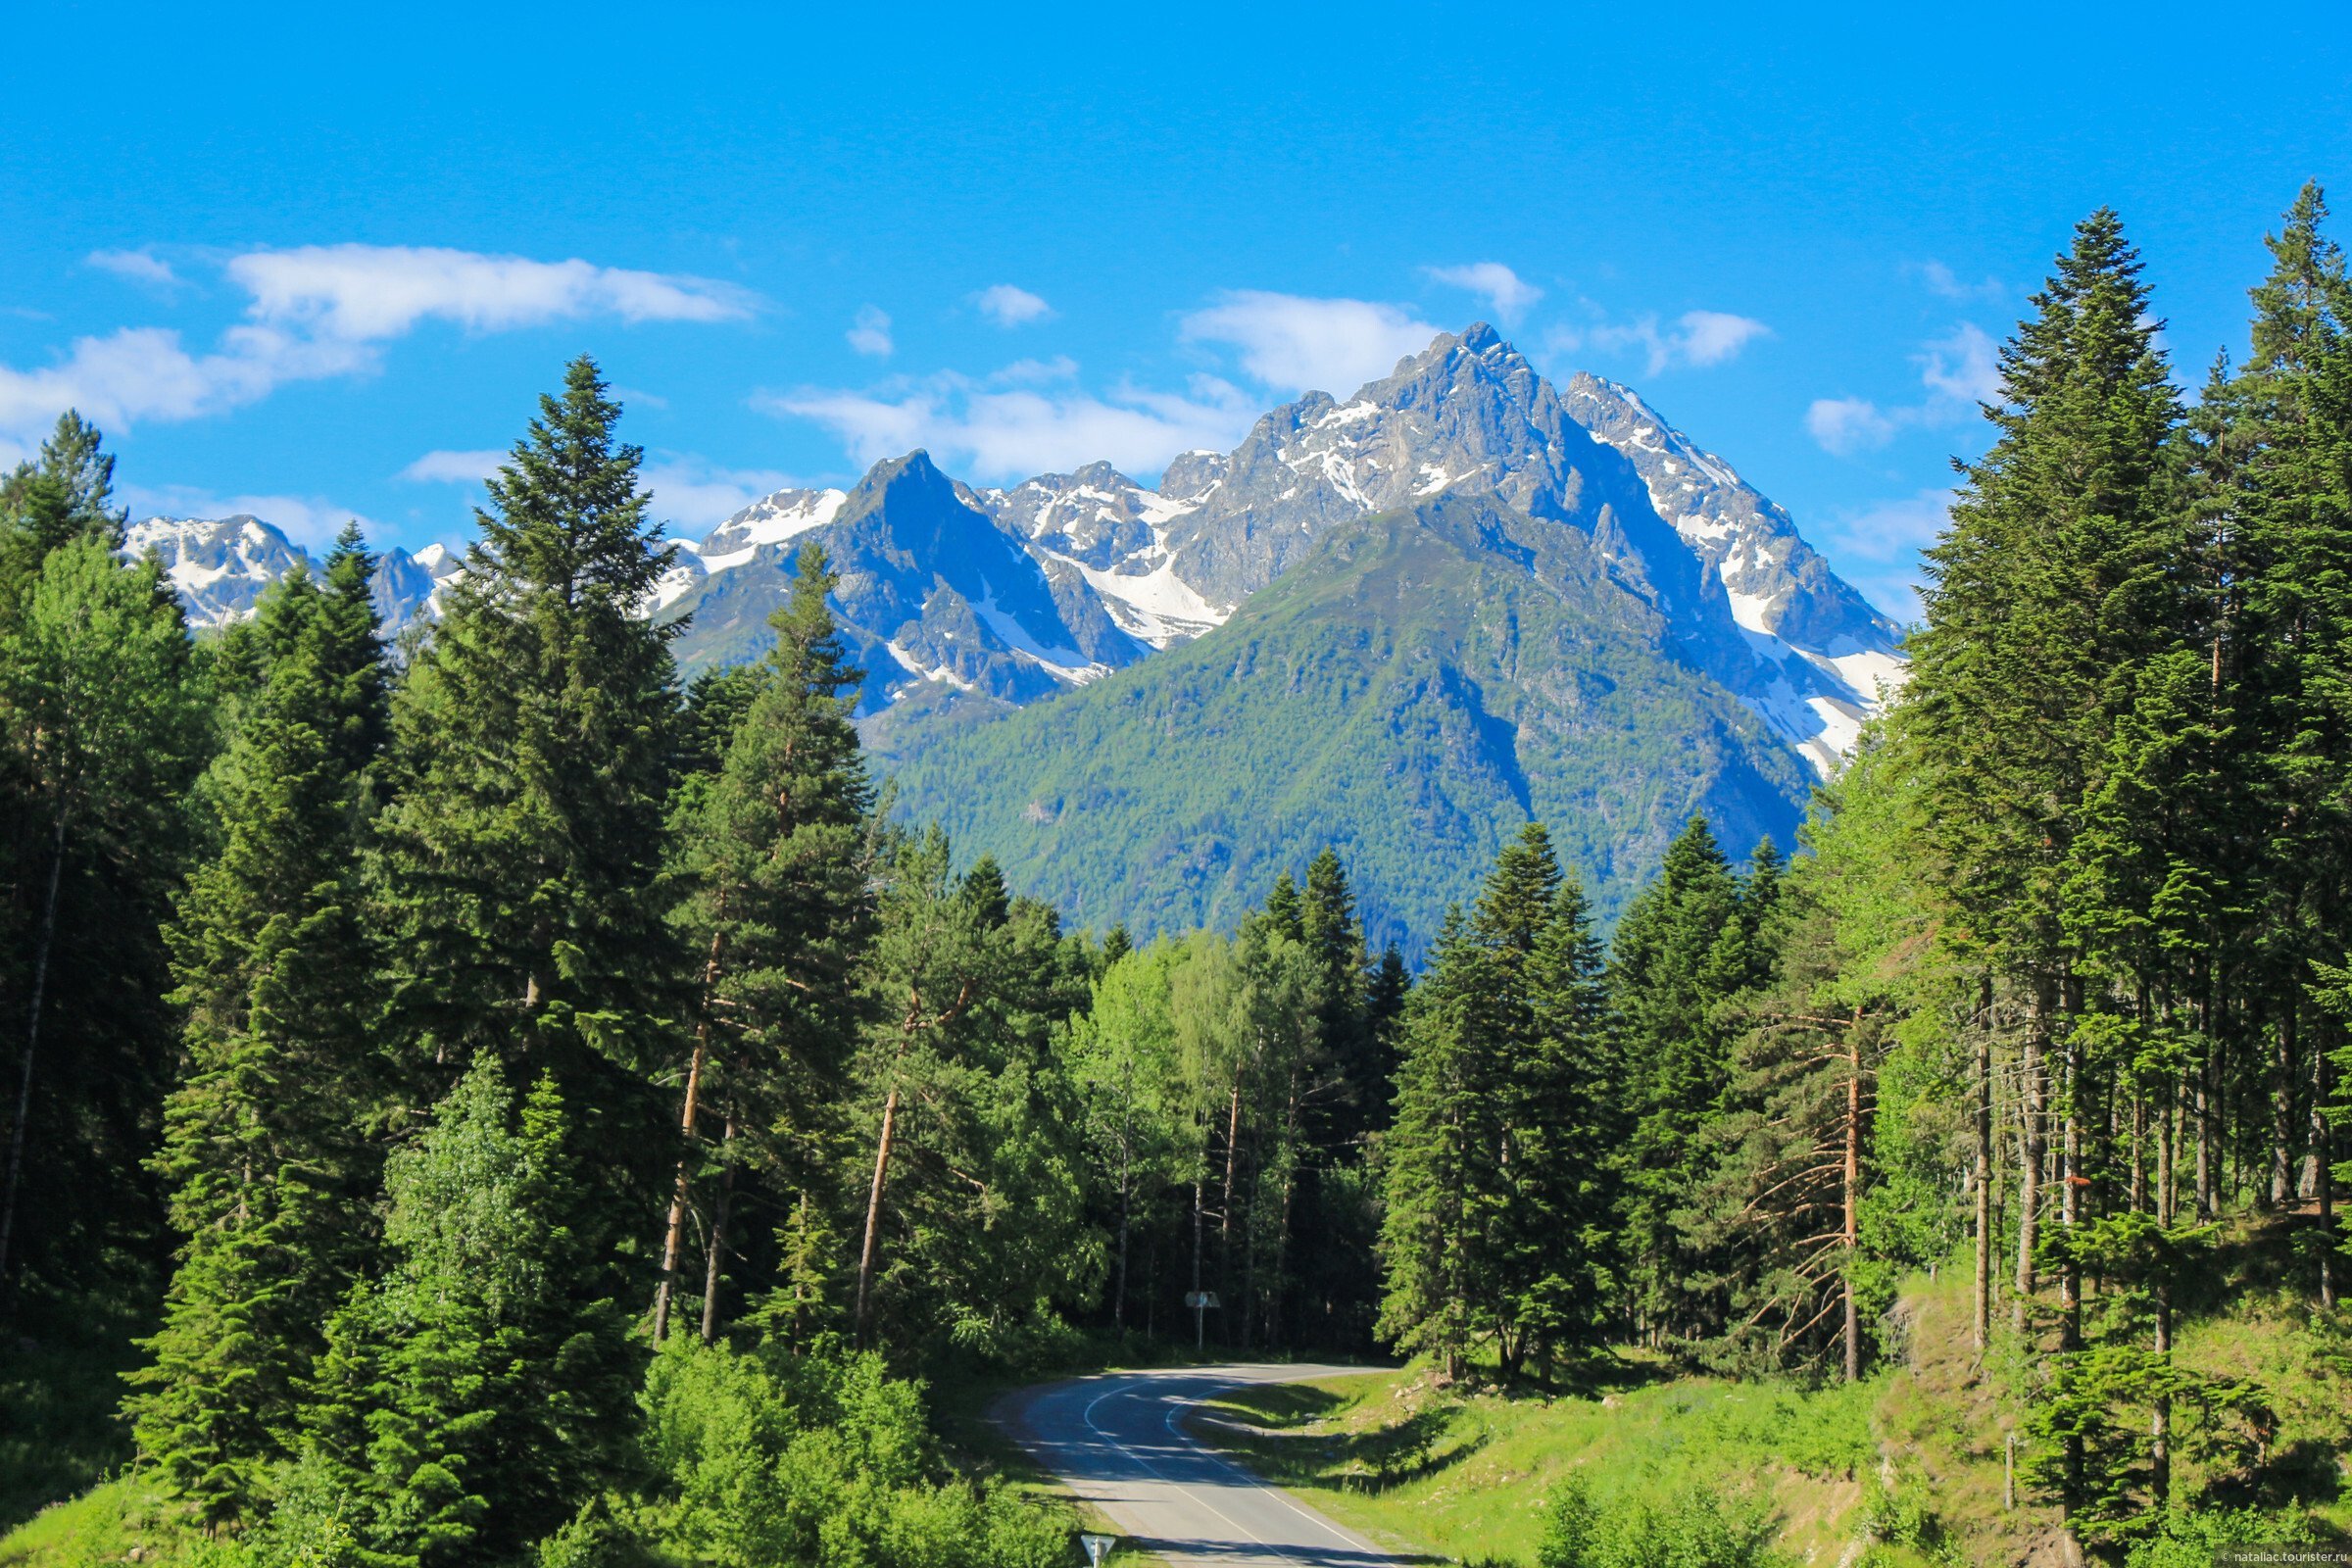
[
  {"x": 1847, "y": 425},
  {"x": 1007, "y": 426},
  {"x": 1510, "y": 294},
  {"x": 454, "y": 468},
  {"x": 1877, "y": 548},
  {"x": 1957, "y": 372},
  {"x": 311, "y": 521},
  {"x": 694, "y": 495},
  {"x": 143, "y": 372},
  {"x": 1008, "y": 305},
  {"x": 1295, "y": 344},
  {"x": 1965, "y": 366},
  {"x": 321, "y": 311},
  {"x": 136, "y": 267},
  {"x": 872, "y": 334},
  {"x": 1696, "y": 339},
  {"x": 361, "y": 293},
  {"x": 1942, "y": 280}
]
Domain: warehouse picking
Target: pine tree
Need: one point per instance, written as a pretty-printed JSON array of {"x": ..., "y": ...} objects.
[
  {"x": 531, "y": 741},
  {"x": 1682, "y": 953},
  {"x": 773, "y": 865},
  {"x": 2293, "y": 468},
  {"x": 470, "y": 1400},
  {"x": 264, "y": 1151}
]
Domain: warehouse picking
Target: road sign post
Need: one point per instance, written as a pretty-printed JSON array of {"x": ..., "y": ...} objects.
[
  {"x": 1199, "y": 1302},
  {"x": 1097, "y": 1547}
]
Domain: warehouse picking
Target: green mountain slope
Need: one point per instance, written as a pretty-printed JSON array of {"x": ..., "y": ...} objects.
[{"x": 1413, "y": 691}]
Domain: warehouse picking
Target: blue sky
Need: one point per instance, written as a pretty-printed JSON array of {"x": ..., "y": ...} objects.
[{"x": 313, "y": 267}]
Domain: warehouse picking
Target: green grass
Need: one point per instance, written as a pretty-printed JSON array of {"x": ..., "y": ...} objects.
[
  {"x": 60, "y": 1384},
  {"x": 1435, "y": 1472},
  {"x": 1905, "y": 1467}
]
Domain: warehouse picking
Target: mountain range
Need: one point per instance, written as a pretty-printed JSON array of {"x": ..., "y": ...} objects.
[{"x": 1401, "y": 625}]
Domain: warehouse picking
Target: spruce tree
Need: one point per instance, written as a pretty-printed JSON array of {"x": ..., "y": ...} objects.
[
  {"x": 470, "y": 1400},
  {"x": 531, "y": 741},
  {"x": 1682, "y": 953},
  {"x": 263, "y": 1150},
  {"x": 772, "y": 854}
]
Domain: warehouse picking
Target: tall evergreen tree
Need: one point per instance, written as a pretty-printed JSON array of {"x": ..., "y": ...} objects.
[
  {"x": 531, "y": 743},
  {"x": 773, "y": 865},
  {"x": 1683, "y": 950},
  {"x": 473, "y": 1398},
  {"x": 263, "y": 1150}
]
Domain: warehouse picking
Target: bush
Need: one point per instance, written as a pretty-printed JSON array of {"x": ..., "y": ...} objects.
[
  {"x": 823, "y": 1460},
  {"x": 1693, "y": 1527}
]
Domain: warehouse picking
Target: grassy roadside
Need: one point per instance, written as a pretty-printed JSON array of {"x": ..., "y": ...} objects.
[{"x": 1905, "y": 1468}]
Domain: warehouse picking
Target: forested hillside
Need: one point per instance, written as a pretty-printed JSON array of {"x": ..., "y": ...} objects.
[{"x": 509, "y": 1104}]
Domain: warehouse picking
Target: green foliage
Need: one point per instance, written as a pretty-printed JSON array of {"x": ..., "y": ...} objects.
[
  {"x": 263, "y": 1146},
  {"x": 528, "y": 772},
  {"x": 471, "y": 1400},
  {"x": 769, "y": 1458},
  {"x": 1697, "y": 1529}
]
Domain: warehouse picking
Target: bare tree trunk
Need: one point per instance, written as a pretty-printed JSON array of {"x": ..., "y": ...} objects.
[
  {"x": 2205, "y": 1127},
  {"x": 1200, "y": 1314},
  {"x": 874, "y": 1206},
  {"x": 2028, "y": 1186},
  {"x": 1233, "y": 1151},
  {"x": 1981, "y": 1323},
  {"x": 2070, "y": 1215},
  {"x": 2283, "y": 1106},
  {"x": 1118, "y": 1299},
  {"x": 673, "y": 1238},
  {"x": 32, "y": 1039},
  {"x": 718, "y": 1232},
  {"x": 1853, "y": 1194},
  {"x": 2322, "y": 1137}
]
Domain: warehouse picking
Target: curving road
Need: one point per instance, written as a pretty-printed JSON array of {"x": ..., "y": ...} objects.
[{"x": 1117, "y": 1440}]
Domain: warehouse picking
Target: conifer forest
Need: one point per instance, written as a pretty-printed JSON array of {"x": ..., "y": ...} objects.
[{"x": 478, "y": 1097}]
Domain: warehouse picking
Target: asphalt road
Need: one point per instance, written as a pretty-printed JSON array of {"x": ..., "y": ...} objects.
[{"x": 1117, "y": 1440}]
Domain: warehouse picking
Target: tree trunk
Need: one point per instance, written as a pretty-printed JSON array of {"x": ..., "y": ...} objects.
[
  {"x": 1118, "y": 1299},
  {"x": 1233, "y": 1151},
  {"x": 32, "y": 1039},
  {"x": 2070, "y": 1215},
  {"x": 1981, "y": 1323},
  {"x": 2323, "y": 1137},
  {"x": 873, "y": 1206},
  {"x": 2029, "y": 1185},
  {"x": 2283, "y": 1106},
  {"x": 1853, "y": 1194},
  {"x": 673, "y": 1238},
  {"x": 718, "y": 1231},
  {"x": 1200, "y": 1314}
]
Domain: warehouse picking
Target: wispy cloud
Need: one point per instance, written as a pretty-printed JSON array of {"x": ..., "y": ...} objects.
[
  {"x": 311, "y": 521},
  {"x": 1696, "y": 339},
  {"x": 452, "y": 467},
  {"x": 1295, "y": 344},
  {"x": 1511, "y": 295},
  {"x": 1957, "y": 372},
  {"x": 136, "y": 267},
  {"x": 1877, "y": 548},
  {"x": 870, "y": 334},
  {"x": 1943, "y": 281},
  {"x": 364, "y": 293},
  {"x": 324, "y": 311},
  {"x": 1018, "y": 421},
  {"x": 1009, "y": 306},
  {"x": 692, "y": 494}
]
